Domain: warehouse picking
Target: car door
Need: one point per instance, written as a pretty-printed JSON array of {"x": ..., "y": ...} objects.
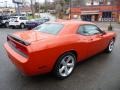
[
  {"x": 94, "y": 39},
  {"x": 23, "y": 20}
]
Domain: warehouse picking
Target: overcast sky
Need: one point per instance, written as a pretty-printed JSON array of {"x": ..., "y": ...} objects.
[{"x": 9, "y": 2}]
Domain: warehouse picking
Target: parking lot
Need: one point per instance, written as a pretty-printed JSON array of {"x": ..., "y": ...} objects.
[{"x": 101, "y": 72}]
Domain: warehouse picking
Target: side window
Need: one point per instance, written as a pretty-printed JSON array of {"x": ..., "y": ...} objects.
[
  {"x": 88, "y": 30},
  {"x": 82, "y": 31},
  {"x": 23, "y": 18}
]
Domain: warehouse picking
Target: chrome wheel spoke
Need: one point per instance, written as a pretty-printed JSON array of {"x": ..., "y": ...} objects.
[
  {"x": 66, "y": 71},
  {"x": 62, "y": 69},
  {"x": 111, "y": 46},
  {"x": 70, "y": 65},
  {"x": 63, "y": 62},
  {"x": 69, "y": 59}
]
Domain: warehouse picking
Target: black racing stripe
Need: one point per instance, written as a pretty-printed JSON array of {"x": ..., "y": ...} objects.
[{"x": 18, "y": 39}]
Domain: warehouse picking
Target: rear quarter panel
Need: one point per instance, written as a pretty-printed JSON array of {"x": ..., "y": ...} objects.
[
  {"x": 110, "y": 36},
  {"x": 47, "y": 55}
]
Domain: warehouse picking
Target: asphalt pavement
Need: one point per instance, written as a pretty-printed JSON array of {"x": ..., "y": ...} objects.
[{"x": 101, "y": 72}]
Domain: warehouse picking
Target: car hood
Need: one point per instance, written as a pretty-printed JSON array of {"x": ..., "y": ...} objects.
[{"x": 32, "y": 36}]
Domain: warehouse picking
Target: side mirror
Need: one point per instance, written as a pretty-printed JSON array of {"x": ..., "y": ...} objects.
[{"x": 103, "y": 32}]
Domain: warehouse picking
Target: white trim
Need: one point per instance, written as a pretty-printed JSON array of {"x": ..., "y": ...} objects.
[{"x": 89, "y": 12}]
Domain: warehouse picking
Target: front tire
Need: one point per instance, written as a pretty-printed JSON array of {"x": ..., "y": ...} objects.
[
  {"x": 22, "y": 25},
  {"x": 65, "y": 65},
  {"x": 109, "y": 49}
]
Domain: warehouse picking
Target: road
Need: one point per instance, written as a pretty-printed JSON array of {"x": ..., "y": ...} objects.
[{"x": 101, "y": 72}]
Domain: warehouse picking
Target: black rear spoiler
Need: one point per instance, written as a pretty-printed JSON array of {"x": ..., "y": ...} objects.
[{"x": 14, "y": 37}]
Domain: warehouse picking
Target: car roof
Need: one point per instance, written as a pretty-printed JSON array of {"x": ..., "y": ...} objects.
[
  {"x": 70, "y": 26},
  {"x": 73, "y": 22}
]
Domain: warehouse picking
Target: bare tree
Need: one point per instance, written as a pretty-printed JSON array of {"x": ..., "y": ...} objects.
[
  {"x": 24, "y": 2},
  {"x": 37, "y": 7},
  {"x": 59, "y": 7},
  {"x": 32, "y": 8}
]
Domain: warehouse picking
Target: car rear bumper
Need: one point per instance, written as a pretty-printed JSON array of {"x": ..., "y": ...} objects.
[
  {"x": 14, "y": 23},
  {"x": 23, "y": 64},
  {"x": 16, "y": 59}
]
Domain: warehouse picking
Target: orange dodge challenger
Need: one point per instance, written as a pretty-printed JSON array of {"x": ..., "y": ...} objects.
[{"x": 57, "y": 46}]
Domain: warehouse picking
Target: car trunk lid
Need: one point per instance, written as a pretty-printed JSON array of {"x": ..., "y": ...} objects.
[{"x": 28, "y": 37}]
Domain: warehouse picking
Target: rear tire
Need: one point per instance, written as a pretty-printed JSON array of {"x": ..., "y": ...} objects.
[
  {"x": 6, "y": 24},
  {"x": 65, "y": 65},
  {"x": 109, "y": 49}
]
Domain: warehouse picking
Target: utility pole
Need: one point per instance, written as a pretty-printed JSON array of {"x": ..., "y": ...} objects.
[
  {"x": 1, "y": 3},
  {"x": 18, "y": 8},
  {"x": 6, "y": 4},
  {"x": 70, "y": 6},
  {"x": 46, "y": 6},
  {"x": 70, "y": 2},
  {"x": 32, "y": 8}
]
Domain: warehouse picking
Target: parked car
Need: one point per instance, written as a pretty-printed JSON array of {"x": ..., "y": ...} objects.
[
  {"x": 35, "y": 22},
  {"x": 57, "y": 46},
  {"x": 4, "y": 21},
  {"x": 18, "y": 21}
]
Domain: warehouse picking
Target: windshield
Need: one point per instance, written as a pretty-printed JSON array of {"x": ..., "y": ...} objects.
[
  {"x": 50, "y": 28},
  {"x": 38, "y": 19},
  {"x": 35, "y": 19}
]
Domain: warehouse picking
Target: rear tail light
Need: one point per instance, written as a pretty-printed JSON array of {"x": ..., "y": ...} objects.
[
  {"x": 16, "y": 21},
  {"x": 21, "y": 52},
  {"x": 18, "y": 39}
]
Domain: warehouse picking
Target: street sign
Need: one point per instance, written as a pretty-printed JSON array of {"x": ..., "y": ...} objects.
[{"x": 17, "y": 1}]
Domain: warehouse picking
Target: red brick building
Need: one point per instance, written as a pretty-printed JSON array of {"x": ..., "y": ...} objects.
[{"x": 97, "y": 10}]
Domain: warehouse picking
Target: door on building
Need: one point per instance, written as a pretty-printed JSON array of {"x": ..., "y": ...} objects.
[
  {"x": 86, "y": 17},
  {"x": 106, "y": 16},
  {"x": 96, "y": 17},
  {"x": 92, "y": 17}
]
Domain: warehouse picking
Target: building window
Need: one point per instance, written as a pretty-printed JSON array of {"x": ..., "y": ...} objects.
[
  {"x": 107, "y": 15},
  {"x": 101, "y": 2}
]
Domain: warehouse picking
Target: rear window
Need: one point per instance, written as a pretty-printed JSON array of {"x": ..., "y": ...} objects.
[
  {"x": 50, "y": 28},
  {"x": 13, "y": 18},
  {"x": 4, "y": 17}
]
